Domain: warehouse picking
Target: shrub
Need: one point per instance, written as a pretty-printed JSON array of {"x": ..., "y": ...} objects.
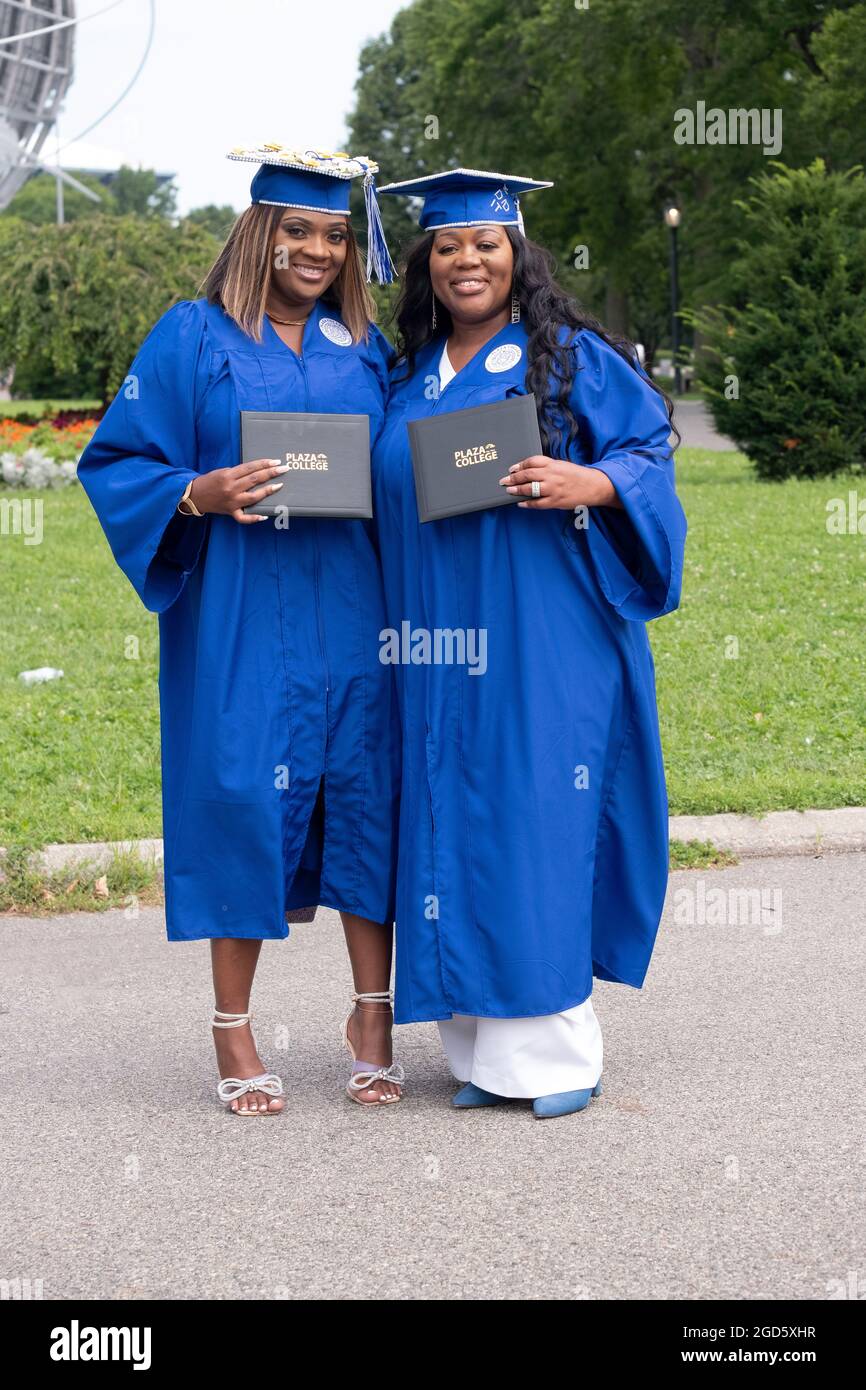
[
  {"x": 77, "y": 301},
  {"x": 784, "y": 365}
]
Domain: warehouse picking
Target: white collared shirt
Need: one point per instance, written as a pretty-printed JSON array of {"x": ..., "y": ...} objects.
[{"x": 446, "y": 370}]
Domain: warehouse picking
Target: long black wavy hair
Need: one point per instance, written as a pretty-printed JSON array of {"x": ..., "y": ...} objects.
[{"x": 545, "y": 309}]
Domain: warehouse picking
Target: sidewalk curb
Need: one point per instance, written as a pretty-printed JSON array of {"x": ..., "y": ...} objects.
[
  {"x": 101, "y": 852},
  {"x": 779, "y": 832}
]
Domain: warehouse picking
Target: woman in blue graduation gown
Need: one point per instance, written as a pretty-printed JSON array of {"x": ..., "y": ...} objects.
[
  {"x": 533, "y": 836},
  {"x": 279, "y": 765}
]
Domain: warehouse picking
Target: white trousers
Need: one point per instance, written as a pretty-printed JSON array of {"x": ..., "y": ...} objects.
[{"x": 526, "y": 1057}]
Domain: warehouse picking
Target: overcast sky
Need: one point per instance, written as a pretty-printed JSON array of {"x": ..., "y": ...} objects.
[{"x": 220, "y": 73}]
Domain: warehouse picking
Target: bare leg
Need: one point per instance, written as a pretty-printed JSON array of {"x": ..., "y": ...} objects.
[
  {"x": 369, "y": 945},
  {"x": 234, "y": 965}
]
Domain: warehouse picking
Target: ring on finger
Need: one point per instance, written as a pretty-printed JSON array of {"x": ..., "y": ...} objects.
[{"x": 535, "y": 489}]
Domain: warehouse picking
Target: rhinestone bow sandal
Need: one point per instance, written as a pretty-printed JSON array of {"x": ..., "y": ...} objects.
[
  {"x": 231, "y": 1088},
  {"x": 366, "y": 1074}
]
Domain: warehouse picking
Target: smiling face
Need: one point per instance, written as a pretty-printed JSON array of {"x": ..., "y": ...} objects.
[
  {"x": 471, "y": 269},
  {"x": 309, "y": 251}
]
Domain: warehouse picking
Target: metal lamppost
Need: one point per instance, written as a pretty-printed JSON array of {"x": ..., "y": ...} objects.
[{"x": 673, "y": 218}]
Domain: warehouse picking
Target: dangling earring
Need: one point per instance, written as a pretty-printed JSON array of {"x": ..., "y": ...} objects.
[
  {"x": 515, "y": 307},
  {"x": 433, "y": 319}
]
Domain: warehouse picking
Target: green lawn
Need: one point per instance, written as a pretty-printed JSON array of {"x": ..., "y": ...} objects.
[
  {"x": 781, "y": 725},
  {"x": 44, "y": 407},
  {"x": 80, "y": 755}
]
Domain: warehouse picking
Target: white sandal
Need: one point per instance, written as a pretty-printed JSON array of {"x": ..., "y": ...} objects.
[
  {"x": 366, "y": 1074},
  {"x": 232, "y": 1087}
]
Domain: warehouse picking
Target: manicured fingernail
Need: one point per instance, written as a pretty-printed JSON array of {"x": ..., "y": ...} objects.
[
  {"x": 282, "y": 467},
  {"x": 274, "y": 487}
]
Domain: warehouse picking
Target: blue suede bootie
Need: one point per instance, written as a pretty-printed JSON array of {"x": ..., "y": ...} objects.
[
  {"x": 471, "y": 1097},
  {"x": 564, "y": 1102}
]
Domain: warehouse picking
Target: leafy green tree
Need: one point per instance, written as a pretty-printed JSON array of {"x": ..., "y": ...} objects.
[
  {"x": 216, "y": 219},
  {"x": 76, "y": 301},
  {"x": 137, "y": 191},
  {"x": 36, "y": 202},
  {"x": 785, "y": 371},
  {"x": 589, "y": 98},
  {"x": 836, "y": 101},
  {"x": 140, "y": 191}
]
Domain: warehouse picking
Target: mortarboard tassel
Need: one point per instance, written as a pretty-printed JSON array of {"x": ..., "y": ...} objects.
[
  {"x": 520, "y": 226},
  {"x": 378, "y": 256}
]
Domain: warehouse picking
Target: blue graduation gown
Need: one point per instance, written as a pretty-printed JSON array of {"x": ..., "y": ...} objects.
[
  {"x": 516, "y": 882},
  {"x": 269, "y": 673}
]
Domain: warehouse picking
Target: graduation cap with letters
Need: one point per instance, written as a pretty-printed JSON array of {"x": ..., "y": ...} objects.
[
  {"x": 468, "y": 198},
  {"x": 319, "y": 182}
]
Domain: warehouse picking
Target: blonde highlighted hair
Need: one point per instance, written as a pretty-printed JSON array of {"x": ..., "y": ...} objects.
[{"x": 240, "y": 277}]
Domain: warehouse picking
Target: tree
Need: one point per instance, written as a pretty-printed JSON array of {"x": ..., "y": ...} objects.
[
  {"x": 137, "y": 191},
  {"x": 785, "y": 370},
  {"x": 140, "y": 191},
  {"x": 588, "y": 98},
  {"x": 836, "y": 101},
  {"x": 36, "y": 202},
  {"x": 76, "y": 301},
  {"x": 217, "y": 219}
]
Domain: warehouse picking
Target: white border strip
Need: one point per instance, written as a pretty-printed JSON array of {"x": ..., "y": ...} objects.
[
  {"x": 476, "y": 222},
  {"x": 482, "y": 173},
  {"x": 305, "y": 207}
]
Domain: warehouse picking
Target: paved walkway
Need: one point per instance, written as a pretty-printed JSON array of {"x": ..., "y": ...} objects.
[
  {"x": 725, "y": 1158},
  {"x": 695, "y": 424}
]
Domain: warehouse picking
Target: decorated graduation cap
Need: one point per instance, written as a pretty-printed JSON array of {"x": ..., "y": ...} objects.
[
  {"x": 468, "y": 198},
  {"x": 319, "y": 182}
]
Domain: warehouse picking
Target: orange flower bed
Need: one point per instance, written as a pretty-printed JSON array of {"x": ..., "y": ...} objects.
[
  {"x": 11, "y": 432},
  {"x": 64, "y": 440}
]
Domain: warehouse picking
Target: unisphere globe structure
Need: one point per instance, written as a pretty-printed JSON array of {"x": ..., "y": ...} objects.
[{"x": 35, "y": 73}]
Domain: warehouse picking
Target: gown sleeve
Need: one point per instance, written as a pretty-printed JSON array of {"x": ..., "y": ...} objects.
[
  {"x": 624, "y": 428},
  {"x": 381, "y": 358},
  {"x": 144, "y": 452}
]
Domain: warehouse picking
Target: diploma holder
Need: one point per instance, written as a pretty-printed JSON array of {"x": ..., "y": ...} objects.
[
  {"x": 459, "y": 457},
  {"x": 328, "y": 458}
]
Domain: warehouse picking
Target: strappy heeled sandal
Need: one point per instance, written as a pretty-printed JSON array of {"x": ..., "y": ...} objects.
[
  {"x": 232, "y": 1087},
  {"x": 366, "y": 1074}
]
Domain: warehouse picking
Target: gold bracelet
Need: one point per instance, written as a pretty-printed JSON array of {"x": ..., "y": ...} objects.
[{"x": 190, "y": 509}]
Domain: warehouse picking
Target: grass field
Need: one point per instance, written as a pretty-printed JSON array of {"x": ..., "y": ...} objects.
[
  {"x": 780, "y": 724},
  {"x": 44, "y": 407}
]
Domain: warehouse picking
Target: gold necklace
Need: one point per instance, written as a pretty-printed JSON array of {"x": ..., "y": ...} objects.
[{"x": 294, "y": 322}]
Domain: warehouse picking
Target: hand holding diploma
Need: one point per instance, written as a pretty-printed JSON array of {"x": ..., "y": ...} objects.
[
  {"x": 561, "y": 484},
  {"x": 229, "y": 490}
]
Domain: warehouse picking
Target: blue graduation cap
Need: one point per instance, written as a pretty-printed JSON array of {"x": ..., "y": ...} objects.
[
  {"x": 319, "y": 182},
  {"x": 468, "y": 197}
]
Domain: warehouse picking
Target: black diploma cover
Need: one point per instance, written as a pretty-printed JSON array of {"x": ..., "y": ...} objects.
[
  {"x": 329, "y": 457},
  {"x": 458, "y": 458}
]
